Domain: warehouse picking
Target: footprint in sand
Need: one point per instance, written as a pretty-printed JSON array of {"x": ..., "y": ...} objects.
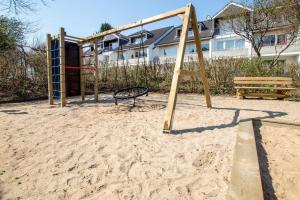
[{"x": 204, "y": 160}]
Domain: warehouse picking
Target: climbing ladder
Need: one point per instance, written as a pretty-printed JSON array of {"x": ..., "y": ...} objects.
[{"x": 55, "y": 69}]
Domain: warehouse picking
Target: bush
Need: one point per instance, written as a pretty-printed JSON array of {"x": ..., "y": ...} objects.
[
  {"x": 220, "y": 73},
  {"x": 25, "y": 76}
]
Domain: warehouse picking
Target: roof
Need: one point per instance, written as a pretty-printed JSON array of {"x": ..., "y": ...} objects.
[
  {"x": 137, "y": 34},
  {"x": 114, "y": 36},
  {"x": 156, "y": 35},
  {"x": 231, "y": 4},
  {"x": 171, "y": 37}
]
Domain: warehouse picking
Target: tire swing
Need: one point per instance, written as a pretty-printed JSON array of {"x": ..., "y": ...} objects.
[{"x": 136, "y": 91}]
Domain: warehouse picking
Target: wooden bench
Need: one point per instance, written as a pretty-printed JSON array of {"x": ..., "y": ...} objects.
[{"x": 274, "y": 87}]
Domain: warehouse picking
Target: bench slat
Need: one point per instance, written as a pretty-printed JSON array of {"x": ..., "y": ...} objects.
[
  {"x": 267, "y": 88},
  {"x": 270, "y": 82},
  {"x": 263, "y": 78},
  {"x": 272, "y": 95}
]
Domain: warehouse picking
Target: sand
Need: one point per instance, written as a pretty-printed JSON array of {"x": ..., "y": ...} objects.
[
  {"x": 279, "y": 157},
  {"x": 102, "y": 151}
]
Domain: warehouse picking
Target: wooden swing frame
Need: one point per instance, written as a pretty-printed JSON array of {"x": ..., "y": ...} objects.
[{"x": 189, "y": 18}]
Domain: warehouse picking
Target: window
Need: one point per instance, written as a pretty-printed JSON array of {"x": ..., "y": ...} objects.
[
  {"x": 205, "y": 47},
  {"x": 220, "y": 45},
  {"x": 239, "y": 44},
  {"x": 141, "y": 53},
  {"x": 202, "y": 27},
  {"x": 190, "y": 33},
  {"x": 178, "y": 32},
  {"x": 170, "y": 51},
  {"x": 138, "y": 40},
  {"x": 281, "y": 39},
  {"x": 110, "y": 46},
  {"x": 229, "y": 44},
  {"x": 121, "y": 57},
  {"x": 165, "y": 53},
  {"x": 268, "y": 40},
  {"x": 190, "y": 48}
]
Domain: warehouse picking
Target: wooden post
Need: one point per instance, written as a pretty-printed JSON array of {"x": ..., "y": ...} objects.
[
  {"x": 82, "y": 78},
  {"x": 49, "y": 69},
  {"x": 168, "y": 121},
  {"x": 194, "y": 23},
  {"x": 96, "y": 73},
  {"x": 62, "y": 67}
]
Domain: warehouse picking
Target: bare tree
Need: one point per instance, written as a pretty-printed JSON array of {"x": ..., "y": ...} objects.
[
  {"x": 262, "y": 16},
  {"x": 20, "y": 6}
]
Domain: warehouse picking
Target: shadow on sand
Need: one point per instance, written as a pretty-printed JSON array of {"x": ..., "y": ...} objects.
[
  {"x": 14, "y": 112},
  {"x": 234, "y": 122},
  {"x": 269, "y": 192}
]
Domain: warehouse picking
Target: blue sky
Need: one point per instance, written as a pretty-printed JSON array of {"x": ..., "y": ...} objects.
[{"x": 83, "y": 17}]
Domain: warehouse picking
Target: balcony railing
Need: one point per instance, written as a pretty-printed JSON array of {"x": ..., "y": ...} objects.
[
  {"x": 294, "y": 48},
  {"x": 242, "y": 52},
  {"x": 108, "y": 49}
]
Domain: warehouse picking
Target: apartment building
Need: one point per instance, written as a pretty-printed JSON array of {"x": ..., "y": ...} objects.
[
  {"x": 137, "y": 48},
  {"x": 218, "y": 41}
]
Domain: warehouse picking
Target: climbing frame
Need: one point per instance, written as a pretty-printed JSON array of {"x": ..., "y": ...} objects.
[{"x": 60, "y": 48}]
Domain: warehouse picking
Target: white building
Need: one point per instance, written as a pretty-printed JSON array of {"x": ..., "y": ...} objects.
[{"x": 218, "y": 41}]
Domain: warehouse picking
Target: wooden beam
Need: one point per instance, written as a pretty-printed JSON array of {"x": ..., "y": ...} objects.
[
  {"x": 49, "y": 67},
  {"x": 168, "y": 121},
  {"x": 96, "y": 72},
  {"x": 82, "y": 77},
  {"x": 194, "y": 23},
  {"x": 245, "y": 173},
  {"x": 62, "y": 67},
  {"x": 73, "y": 37},
  {"x": 181, "y": 16},
  {"x": 135, "y": 24}
]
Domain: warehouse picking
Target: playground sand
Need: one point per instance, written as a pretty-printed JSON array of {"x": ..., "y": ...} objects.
[
  {"x": 279, "y": 156},
  {"x": 102, "y": 151}
]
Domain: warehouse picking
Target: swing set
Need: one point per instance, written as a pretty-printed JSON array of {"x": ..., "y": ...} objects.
[{"x": 66, "y": 66}]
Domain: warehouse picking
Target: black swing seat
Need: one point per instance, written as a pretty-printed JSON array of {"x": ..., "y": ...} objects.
[{"x": 130, "y": 93}]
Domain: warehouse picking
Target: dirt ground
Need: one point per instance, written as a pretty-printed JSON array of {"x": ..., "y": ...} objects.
[{"x": 102, "y": 151}]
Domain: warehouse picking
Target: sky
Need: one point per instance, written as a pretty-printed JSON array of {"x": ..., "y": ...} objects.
[{"x": 82, "y": 18}]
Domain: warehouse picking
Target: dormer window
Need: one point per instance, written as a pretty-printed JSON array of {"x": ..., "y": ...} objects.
[
  {"x": 190, "y": 33},
  {"x": 137, "y": 38},
  {"x": 203, "y": 27},
  {"x": 178, "y": 33}
]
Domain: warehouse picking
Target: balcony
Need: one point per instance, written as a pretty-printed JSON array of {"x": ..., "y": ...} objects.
[
  {"x": 236, "y": 53},
  {"x": 273, "y": 50},
  {"x": 108, "y": 49},
  {"x": 191, "y": 57}
]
